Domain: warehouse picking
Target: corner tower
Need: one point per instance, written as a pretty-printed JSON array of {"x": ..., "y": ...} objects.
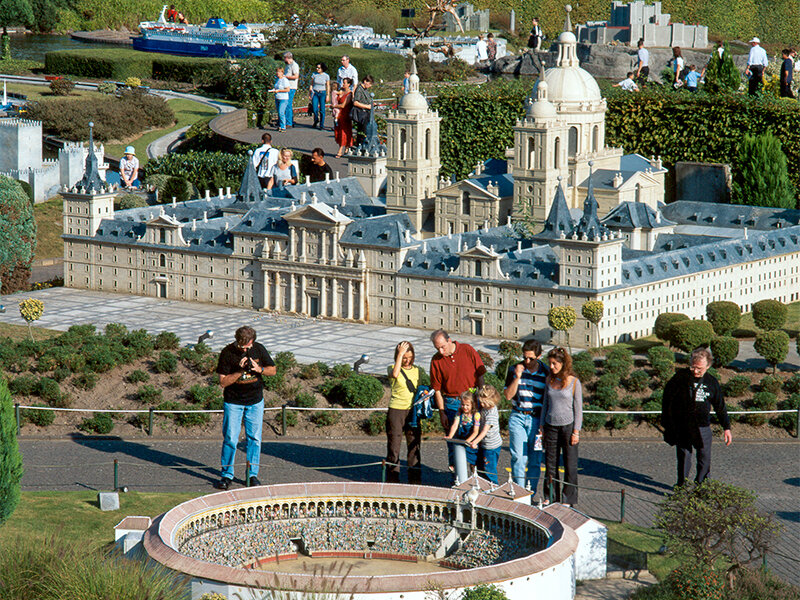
[{"x": 413, "y": 163}]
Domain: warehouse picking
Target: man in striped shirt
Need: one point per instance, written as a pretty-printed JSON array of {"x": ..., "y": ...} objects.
[{"x": 525, "y": 385}]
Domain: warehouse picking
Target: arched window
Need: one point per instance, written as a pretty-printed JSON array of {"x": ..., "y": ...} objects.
[
  {"x": 595, "y": 138},
  {"x": 573, "y": 141},
  {"x": 162, "y": 259},
  {"x": 557, "y": 154},
  {"x": 465, "y": 203},
  {"x": 478, "y": 294},
  {"x": 531, "y": 153},
  {"x": 427, "y": 144},
  {"x": 403, "y": 144}
]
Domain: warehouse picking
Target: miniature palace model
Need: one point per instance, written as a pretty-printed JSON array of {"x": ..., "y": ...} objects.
[{"x": 418, "y": 250}]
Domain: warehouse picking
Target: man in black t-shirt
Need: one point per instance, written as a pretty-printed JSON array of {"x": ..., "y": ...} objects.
[
  {"x": 318, "y": 168},
  {"x": 689, "y": 397},
  {"x": 240, "y": 368}
]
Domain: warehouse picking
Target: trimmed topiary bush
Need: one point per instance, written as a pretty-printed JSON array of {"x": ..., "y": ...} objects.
[
  {"x": 309, "y": 371},
  {"x": 688, "y": 335},
  {"x": 638, "y": 381},
  {"x": 619, "y": 421},
  {"x": 769, "y": 314},
  {"x": 167, "y": 362},
  {"x": 606, "y": 396},
  {"x": 584, "y": 369},
  {"x": 591, "y": 421},
  {"x": 654, "y": 419},
  {"x": 771, "y": 384},
  {"x": 736, "y": 386},
  {"x": 788, "y": 420},
  {"x": 48, "y": 390},
  {"x": 100, "y": 423},
  {"x": 207, "y": 396},
  {"x": 341, "y": 371},
  {"x": 792, "y": 385},
  {"x": 760, "y": 401},
  {"x": 24, "y": 385},
  {"x": 724, "y": 316},
  {"x": 40, "y": 418},
  {"x": 166, "y": 340},
  {"x": 305, "y": 400},
  {"x": 664, "y": 322},
  {"x": 360, "y": 391},
  {"x": 660, "y": 353},
  {"x": 291, "y": 417},
  {"x": 773, "y": 346},
  {"x": 285, "y": 361},
  {"x": 608, "y": 380},
  {"x": 725, "y": 350},
  {"x": 86, "y": 381},
  {"x": 376, "y": 423}
]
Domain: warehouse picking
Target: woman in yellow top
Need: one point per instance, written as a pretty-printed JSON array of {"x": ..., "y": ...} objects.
[{"x": 404, "y": 379}]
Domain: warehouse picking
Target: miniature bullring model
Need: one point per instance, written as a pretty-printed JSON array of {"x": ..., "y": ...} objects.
[{"x": 234, "y": 542}]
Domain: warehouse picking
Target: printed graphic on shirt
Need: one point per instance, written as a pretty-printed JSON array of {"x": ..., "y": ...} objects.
[{"x": 702, "y": 393}]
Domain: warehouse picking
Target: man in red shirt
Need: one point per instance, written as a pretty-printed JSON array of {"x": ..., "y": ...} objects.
[{"x": 455, "y": 368}]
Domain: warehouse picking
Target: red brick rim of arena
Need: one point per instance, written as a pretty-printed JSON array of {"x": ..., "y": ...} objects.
[{"x": 159, "y": 540}]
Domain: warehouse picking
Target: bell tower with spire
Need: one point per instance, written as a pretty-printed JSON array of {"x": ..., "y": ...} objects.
[{"x": 412, "y": 162}]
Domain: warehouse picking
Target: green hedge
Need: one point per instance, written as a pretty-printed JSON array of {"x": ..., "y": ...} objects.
[
  {"x": 477, "y": 124},
  {"x": 381, "y": 65},
  {"x": 121, "y": 63}
]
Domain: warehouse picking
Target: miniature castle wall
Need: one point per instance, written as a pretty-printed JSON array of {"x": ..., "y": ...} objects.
[
  {"x": 21, "y": 158},
  {"x": 471, "y": 19}
]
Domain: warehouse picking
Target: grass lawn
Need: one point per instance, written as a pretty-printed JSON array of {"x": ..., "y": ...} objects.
[
  {"x": 644, "y": 540},
  {"x": 49, "y": 227},
  {"x": 187, "y": 112},
  {"x": 77, "y": 516},
  {"x": 42, "y": 92},
  {"x": 19, "y": 332}
]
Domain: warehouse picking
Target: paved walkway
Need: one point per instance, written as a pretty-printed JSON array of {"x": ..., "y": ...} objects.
[{"x": 310, "y": 339}]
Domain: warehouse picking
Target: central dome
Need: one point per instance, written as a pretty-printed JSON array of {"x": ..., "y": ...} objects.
[{"x": 570, "y": 85}]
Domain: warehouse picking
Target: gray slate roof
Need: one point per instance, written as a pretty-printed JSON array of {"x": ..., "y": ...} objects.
[
  {"x": 735, "y": 216},
  {"x": 504, "y": 183},
  {"x": 634, "y": 215},
  {"x": 559, "y": 220},
  {"x": 385, "y": 231}
]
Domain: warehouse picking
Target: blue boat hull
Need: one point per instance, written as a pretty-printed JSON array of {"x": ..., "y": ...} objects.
[{"x": 194, "y": 49}]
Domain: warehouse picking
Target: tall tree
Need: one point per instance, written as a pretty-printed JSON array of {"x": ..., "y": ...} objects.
[
  {"x": 10, "y": 458},
  {"x": 13, "y": 12},
  {"x": 17, "y": 236},
  {"x": 761, "y": 177}
]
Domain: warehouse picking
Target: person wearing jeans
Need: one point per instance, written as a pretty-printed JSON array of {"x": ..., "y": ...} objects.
[
  {"x": 320, "y": 94},
  {"x": 281, "y": 90},
  {"x": 562, "y": 415},
  {"x": 404, "y": 380},
  {"x": 241, "y": 367},
  {"x": 525, "y": 384},
  {"x": 292, "y": 74},
  {"x": 487, "y": 438}
]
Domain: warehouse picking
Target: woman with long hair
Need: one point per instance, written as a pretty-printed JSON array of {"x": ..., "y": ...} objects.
[
  {"x": 677, "y": 65},
  {"x": 343, "y": 131},
  {"x": 562, "y": 417},
  {"x": 404, "y": 379}
]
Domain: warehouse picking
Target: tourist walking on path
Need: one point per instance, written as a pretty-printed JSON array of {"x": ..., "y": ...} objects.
[
  {"x": 562, "y": 415},
  {"x": 320, "y": 94},
  {"x": 786, "y": 74},
  {"x": 642, "y": 63},
  {"x": 689, "y": 397},
  {"x": 343, "y": 130},
  {"x": 292, "y": 74},
  {"x": 627, "y": 84},
  {"x": 756, "y": 63},
  {"x": 347, "y": 70},
  {"x": 481, "y": 49},
  {"x": 488, "y": 436},
  {"x": 362, "y": 105},
  {"x": 525, "y": 384},
  {"x": 264, "y": 158},
  {"x": 678, "y": 66},
  {"x": 403, "y": 380},
  {"x": 281, "y": 90},
  {"x": 283, "y": 172},
  {"x": 455, "y": 368},
  {"x": 240, "y": 368},
  {"x": 693, "y": 78}
]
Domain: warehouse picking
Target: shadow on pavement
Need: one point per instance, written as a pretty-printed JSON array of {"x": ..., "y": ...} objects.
[{"x": 626, "y": 477}]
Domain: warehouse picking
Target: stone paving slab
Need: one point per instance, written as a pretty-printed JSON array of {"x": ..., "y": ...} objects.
[{"x": 310, "y": 339}]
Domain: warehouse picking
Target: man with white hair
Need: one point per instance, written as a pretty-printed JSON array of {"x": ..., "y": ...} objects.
[
  {"x": 347, "y": 70},
  {"x": 756, "y": 63},
  {"x": 292, "y": 73},
  {"x": 688, "y": 399}
]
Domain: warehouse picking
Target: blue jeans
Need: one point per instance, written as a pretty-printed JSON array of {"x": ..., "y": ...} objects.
[
  {"x": 253, "y": 416},
  {"x": 318, "y": 107},
  {"x": 452, "y": 404},
  {"x": 522, "y": 430},
  {"x": 288, "y": 108},
  {"x": 280, "y": 106},
  {"x": 487, "y": 461}
]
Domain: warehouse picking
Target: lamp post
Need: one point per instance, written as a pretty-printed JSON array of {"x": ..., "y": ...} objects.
[
  {"x": 361, "y": 361},
  {"x": 205, "y": 336}
]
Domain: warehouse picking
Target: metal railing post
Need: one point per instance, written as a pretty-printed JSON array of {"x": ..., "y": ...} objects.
[
  {"x": 797, "y": 424},
  {"x": 622, "y": 506},
  {"x": 116, "y": 474},
  {"x": 283, "y": 420},
  {"x": 150, "y": 422},
  {"x": 17, "y": 416}
]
